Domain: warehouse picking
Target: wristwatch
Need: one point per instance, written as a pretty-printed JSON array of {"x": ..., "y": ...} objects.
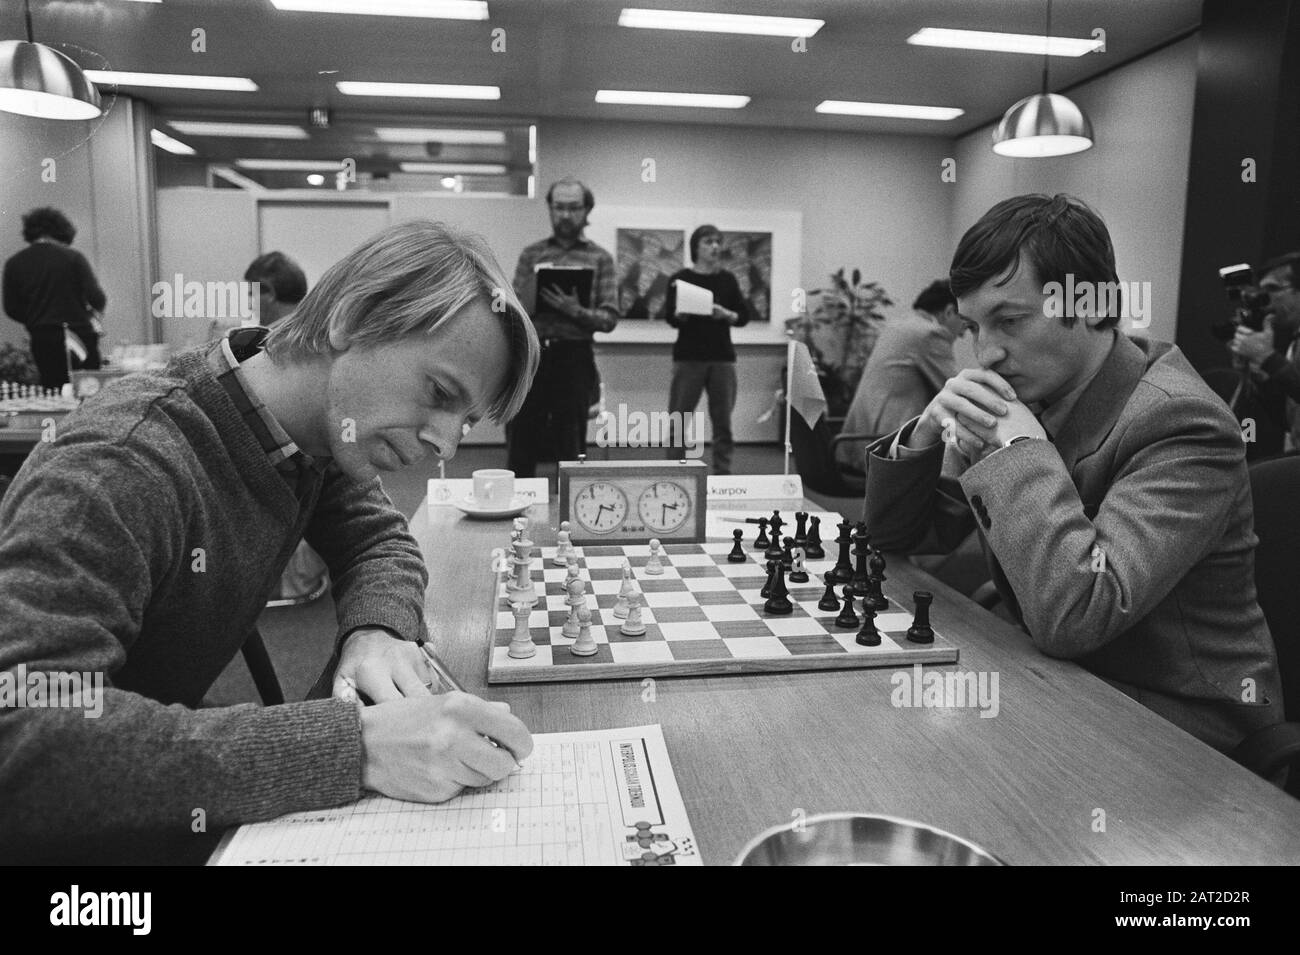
[{"x": 1020, "y": 437}]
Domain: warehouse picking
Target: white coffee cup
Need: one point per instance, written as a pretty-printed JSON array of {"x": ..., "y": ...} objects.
[{"x": 494, "y": 487}]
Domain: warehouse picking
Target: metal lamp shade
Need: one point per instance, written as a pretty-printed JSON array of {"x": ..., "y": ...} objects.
[
  {"x": 1045, "y": 124},
  {"x": 38, "y": 81}
]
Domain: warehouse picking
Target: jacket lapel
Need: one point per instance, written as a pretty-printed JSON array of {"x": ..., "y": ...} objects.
[{"x": 1099, "y": 407}]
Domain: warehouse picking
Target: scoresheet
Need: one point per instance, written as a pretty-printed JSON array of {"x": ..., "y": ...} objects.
[{"x": 603, "y": 797}]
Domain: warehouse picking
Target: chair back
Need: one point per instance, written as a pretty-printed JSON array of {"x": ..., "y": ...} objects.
[
  {"x": 1275, "y": 491},
  {"x": 814, "y": 459}
]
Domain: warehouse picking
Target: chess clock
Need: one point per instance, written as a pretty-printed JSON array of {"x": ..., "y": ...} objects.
[{"x": 620, "y": 501}]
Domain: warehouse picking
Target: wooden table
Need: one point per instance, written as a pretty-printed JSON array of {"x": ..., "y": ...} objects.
[{"x": 755, "y": 751}]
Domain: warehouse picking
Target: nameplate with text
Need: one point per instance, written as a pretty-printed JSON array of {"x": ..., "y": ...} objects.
[
  {"x": 725, "y": 489},
  {"x": 450, "y": 491}
]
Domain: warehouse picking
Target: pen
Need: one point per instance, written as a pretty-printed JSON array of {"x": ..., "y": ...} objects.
[{"x": 437, "y": 666}]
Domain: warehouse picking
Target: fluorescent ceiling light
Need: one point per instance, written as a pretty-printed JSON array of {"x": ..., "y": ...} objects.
[
  {"x": 717, "y": 22},
  {"x": 891, "y": 110},
  {"x": 243, "y": 182},
  {"x": 1004, "y": 42},
  {"x": 437, "y": 9},
  {"x": 457, "y": 137},
  {"x": 286, "y": 165},
  {"x": 455, "y": 168},
  {"x": 645, "y": 98},
  {"x": 315, "y": 179},
  {"x": 163, "y": 141},
  {"x": 238, "y": 130},
  {"x": 418, "y": 90},
  {"x": 180, "y": 81}
]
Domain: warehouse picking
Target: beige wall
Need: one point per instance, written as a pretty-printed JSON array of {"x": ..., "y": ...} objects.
[
  {"x": 1135, "y": 176},
  {"x": 103, "y": 182}
]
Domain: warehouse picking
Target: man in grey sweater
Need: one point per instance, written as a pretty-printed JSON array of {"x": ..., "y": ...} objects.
[{"x": 139, "y": 546}]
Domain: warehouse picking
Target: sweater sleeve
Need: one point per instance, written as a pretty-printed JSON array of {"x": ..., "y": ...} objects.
[
  {"x": 378, "y": 573},
  {"x": 14, "y": 306},
  {"x": 670, "y": 304},
  {"x": 738, "y": 304},
  {"x": 78, "y": 563},
  {"x": 90, "y": 287}
]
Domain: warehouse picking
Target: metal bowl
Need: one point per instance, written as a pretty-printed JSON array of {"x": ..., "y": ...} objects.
[{"x": 849, "y": 838}]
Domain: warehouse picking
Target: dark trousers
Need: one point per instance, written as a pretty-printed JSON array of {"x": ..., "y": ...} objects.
[
  {"x": 51, "y": 359},
  {"x": 553, "y": 421},
  {"x": 718, "y": 378}
]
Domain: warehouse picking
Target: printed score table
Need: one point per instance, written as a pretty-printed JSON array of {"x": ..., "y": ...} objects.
[{"x": 756, "y": 750}]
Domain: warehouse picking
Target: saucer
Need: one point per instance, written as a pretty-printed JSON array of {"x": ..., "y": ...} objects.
[{"x": 518, "y": 504}]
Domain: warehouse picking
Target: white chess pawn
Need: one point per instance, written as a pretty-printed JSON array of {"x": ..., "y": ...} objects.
[
  {"x": 654, "y": 565},
  {"x": 565, "y": 549},
  {"x": 586, "y": 645},
  {"x": 575, "y": 598},
  {"x": 625, "y": 591},
  {"x": 632, "y": 626},
  {"x": 521, "y": 644}
]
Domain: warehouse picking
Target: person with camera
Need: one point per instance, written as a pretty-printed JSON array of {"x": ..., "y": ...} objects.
[{"x": 1272, "y": 352}]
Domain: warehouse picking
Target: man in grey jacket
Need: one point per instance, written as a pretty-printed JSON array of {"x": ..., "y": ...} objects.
[
  {"x": 138, "y": 548},
  {"x": 1108, "y": 481}
]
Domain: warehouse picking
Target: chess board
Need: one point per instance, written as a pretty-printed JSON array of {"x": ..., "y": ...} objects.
[{"x": 703, "y": 615}]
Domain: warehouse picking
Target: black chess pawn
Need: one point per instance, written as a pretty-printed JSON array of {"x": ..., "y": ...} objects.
[
  {"x": 919, "y": 631},
  {"x": 877, "y": 564},
  {"x": 801, "y": 528},
  {"x": 843, "y": 566},
  {"x": 778, "y": 601},
  {"x": 787, "y": 554},
  {"x": 761, "y": 540},
  {"x": 773, "y": 551},
  {"x": 847, "y": 619},
  {"x": 771, "y": 573},
  {"x": 868, "y": 636},
  {"x": 813, "y": 547},
  {"x": 829, "y": 602},
  {"x": 798, "y": 572},
  {"x": 875, "y": 597},
  {"x": 737, "y": 555},
  {"x": 861, "y": 548}
]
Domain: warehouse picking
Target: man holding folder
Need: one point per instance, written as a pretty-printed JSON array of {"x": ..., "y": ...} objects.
[{"x": 567, "y": 283}]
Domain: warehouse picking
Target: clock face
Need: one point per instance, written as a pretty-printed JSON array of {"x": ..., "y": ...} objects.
[
  {"x": 664, "y": 506},
  {"x": 600, "y": 507}
]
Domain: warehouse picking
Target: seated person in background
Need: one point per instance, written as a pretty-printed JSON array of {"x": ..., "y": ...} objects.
[
  {"x": 703, "y": 357},
  {"x": 282, "y": 284},
  {"x": 907, "y": 368},
  {"x": 1107, "y": 479},
  {"x": 1274, "y": 352},
  {"x": 142, "y": 543}
]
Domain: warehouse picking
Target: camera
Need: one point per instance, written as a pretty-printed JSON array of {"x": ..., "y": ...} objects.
[{"x": 1249, "y": 303}]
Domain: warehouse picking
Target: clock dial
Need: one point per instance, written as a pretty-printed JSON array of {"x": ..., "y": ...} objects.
[
  {"x": 664, "y": 506},
  {"x": 600, "y": 507}
]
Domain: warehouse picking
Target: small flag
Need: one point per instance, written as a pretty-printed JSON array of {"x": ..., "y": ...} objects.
[
  {"x": 73, "y": 343},
  {"x": 806, "y": 395}
]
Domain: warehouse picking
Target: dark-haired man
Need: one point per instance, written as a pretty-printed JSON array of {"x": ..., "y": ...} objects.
[
  {"x": 282, "y": 284},
  {"x": 1107, "y": 479},
  {"x": 908, "y": 366},
  {"x": 1274, "y": 352},
  {"x": 49, "y": 285},
  {"x": 555, "y": 413}
]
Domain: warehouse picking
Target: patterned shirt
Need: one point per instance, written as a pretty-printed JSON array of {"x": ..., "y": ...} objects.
[
  {"x": 298, "y": 468},
  {"x": 603, "y": 314}
]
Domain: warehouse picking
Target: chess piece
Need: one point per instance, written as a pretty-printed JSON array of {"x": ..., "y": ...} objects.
[
  {"x": 868, "y": 636},
  {"x": 875, "y": 597},
  {"x": 586, "y": 645},
  {"x": 778, "y": 600},
  {"x": 813, "y": 547},
  {"x": 787, "y": 554},
  {"x": 654, "y": 565},
  {"x": 919, "y": 631},
  {"x": 829, "y": 602},
  {"x": 847, "y": 618},
  {"x": 761, "y": 540},
  {"x": 861, "y": 548},
  {"x": 575, "y": 597},
  {"x": 773, "y": 551},
  {"x": 843, "y": 566},
  {"x": 565, "y": 549},
  {"x": 801, "y": 528},
  {"x": 798, "y": 574},
  {"x": 771, "y": 576},
  {"x": 520, "y": 530},
  {"x": 625, "y": 592},
  {"x": 520, "y": 589},
  {"x": 632, "y": 626},
  {"x": 521, "y": 644},
  {"x": 737, "y": 555}
]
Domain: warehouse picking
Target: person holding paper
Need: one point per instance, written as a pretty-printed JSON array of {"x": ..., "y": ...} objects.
[
  {"x": 704, "y": 303},
  {"x": 567, "y": 283}
]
